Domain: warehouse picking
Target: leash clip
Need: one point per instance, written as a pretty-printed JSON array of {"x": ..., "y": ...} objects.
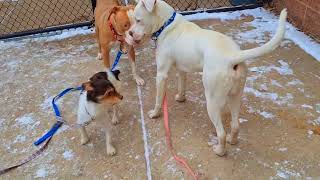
[{"x": 154, "y": 40}]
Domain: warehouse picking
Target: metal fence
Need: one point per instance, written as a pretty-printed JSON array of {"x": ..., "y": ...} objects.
[{"x": 26, "y": 17}]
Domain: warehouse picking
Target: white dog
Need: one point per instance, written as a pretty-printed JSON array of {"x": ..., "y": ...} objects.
[
  {"x": 100, "y": 93},
  {"x": 192, "y": 49}
]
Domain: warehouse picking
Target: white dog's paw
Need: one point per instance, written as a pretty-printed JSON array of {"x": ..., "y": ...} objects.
[
  {"x": 153, "y": 114},
  {"x": 180, "y": 98},
  {"x": 219, "y": 150},
  {"x": 99, "y": 57},
  {"x": 139, "y": 80},
  {"x": 115, "y": 120},
  {"x": 232, "y": 140},
  {"x": 213, "y": 141},
  {"x": 84, "y": 140},
  {"x": 111, "y": 151}
]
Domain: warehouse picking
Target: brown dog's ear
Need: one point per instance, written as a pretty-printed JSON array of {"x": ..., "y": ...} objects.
[
  {"x": 114, "y": 10},
  {"x": 87, "y": 86}
]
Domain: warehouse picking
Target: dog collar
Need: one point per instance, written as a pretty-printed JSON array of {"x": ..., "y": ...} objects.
[
  {"x": 115, "y": 34},
  {"x": 166, "y": 24}
]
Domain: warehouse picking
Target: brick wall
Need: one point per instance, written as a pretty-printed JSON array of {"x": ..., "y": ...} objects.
[{"x": 304, "y": 14}]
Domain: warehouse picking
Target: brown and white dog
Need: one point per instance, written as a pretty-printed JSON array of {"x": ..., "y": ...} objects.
[
  {"x": 100, "y": 93},
  {"x": 112, "y": 22},
  {"x": 190, "y": 48}
]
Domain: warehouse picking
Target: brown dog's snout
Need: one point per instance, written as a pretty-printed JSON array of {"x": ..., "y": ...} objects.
[
  {"x": 121, "y": 97},
  {"x": 131, "y": 33}
]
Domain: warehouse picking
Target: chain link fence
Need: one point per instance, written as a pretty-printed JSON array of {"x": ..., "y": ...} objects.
[{"x": 26, "y": 17}]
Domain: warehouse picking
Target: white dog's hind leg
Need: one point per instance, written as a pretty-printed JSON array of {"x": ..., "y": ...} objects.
[
  {"x": 216, "y": 93},
  {"x": 181, "y": 96},
  {"x": 111, "y": 150},
  {"x": 214, "y": 111},
  {"x": 234, "y": 106},
  {"x": 83, "y": 135}
]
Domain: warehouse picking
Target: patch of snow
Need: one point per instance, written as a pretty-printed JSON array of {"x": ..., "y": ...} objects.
[
  {"x": 223, "y": 16},
  {"x": 318, "y": 108},
  {"x": 27, "y": 119},
  {"x": 196, "y": 99},
  {"x": 20, "y": 138},
  {"x": 67, "y": 34},
  {"x": 68, "y": 155},
  {"x": 283, "y": 149},
  {"x": 264, "y": 22},
  {"x": 12, "y": 65},
  {"x": 266, "y": 115},
  {"x": 285, "y": 99},
  {"x": 316, "y": 121},
  {"x": 284, "y": 68},
  {"x": 171, "y": 166},
  {"x": 307, "y": 106},
  {"x": 282, "y": 174},
  {"x": 241, "y": 120},
  {"x": 46, "y": 105},
  {"x": 294, "y": 82},
  {"x": 264, "y": 95},
  {"x": 41, "y": 173},
  {"x": 1, "y": 122},
  {"x": 276, "y": 83},
  {"x": 63, "y": 129},
  {"x": 263, "y": 87}
]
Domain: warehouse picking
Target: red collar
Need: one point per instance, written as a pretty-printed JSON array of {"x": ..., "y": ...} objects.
[{"x": 116, "y": 35}]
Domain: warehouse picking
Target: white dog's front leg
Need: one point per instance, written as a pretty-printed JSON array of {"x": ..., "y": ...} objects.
[
  {"x": 163, "y": 66},
  {"x": 181, "y": 96},
  {"x": 136, "y": 76}
]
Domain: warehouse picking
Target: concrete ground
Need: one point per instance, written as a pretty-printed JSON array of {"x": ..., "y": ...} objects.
[{"x": 280, "y": 110}]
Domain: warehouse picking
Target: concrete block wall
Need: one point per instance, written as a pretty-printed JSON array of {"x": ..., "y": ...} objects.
[{"x": 304, "y": 14}]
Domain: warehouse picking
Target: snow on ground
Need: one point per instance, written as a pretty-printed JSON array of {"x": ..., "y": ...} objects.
[{"x": 264, "y": 22}]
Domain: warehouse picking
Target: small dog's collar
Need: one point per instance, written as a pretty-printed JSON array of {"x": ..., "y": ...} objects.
[{"x": 166, "y": 24}]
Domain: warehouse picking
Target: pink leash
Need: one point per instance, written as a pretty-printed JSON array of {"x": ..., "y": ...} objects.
[{"x": 169, "y": 142}]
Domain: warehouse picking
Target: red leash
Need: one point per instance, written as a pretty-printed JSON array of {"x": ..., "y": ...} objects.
[
  {"x": 168, "y": 138},
  {"x": 28, "y": 159}
]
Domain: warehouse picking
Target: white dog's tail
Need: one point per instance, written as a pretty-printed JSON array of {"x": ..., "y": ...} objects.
[{"x": 243, "y": 55}]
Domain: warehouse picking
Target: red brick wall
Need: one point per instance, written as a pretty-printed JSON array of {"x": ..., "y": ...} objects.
[{"x": 304, "y": 14}]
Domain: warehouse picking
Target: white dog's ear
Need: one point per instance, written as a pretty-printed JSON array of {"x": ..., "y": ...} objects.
[{"x": 149, "y": 4}]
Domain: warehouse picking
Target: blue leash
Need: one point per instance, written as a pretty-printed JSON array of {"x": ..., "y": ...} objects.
[
  {"x": 56, "y": 110},
  {"x": 116, "y": 61}
]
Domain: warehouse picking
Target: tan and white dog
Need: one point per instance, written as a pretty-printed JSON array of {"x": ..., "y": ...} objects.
[
  {"x": 192, "y": 49},
  {"x": 112, "y": 22}
]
